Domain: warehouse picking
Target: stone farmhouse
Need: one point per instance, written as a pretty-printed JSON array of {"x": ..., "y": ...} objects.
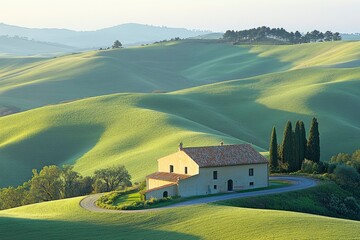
[{"x": 207, "y": 170}]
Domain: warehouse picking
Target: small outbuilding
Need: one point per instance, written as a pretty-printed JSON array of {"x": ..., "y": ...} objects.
[{"x": 207, "y": 170}]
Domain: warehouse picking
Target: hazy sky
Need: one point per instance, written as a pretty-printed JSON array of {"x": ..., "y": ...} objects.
[{"x": 215, "y": 15}]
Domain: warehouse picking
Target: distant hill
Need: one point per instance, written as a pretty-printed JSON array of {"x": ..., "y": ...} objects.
[
  {"x": 128, "y": 34},
  {"x": 23, "y": 47},
  {"x": 350, "y": 36},
  {"x": 209, "y": 36}
]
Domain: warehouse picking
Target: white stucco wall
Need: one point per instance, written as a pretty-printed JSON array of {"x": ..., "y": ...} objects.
[{"x": 203, "y": 183}]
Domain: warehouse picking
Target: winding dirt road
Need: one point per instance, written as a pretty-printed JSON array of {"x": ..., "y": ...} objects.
[{"x": 297, "y": 183}]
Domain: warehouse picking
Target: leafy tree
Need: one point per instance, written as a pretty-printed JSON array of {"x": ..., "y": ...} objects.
[
  {"x": 336, "y": 37},
  {"x": 11, "y": 197},
  {"x": 296, "y": 163},
  {"x": 273, "y": 150},
  {"x": 263, "y": 33},
  {"x": 352, "y": 160},
  {"x": 297, "y": 37},
  {"x": 287, "y": 145},
  {"x": 347, "y": 177},
  {"x": 86, "y": 185},
  {"x": 71, "y": 181},
  {"x": 113, "y": 178},
  {"x": 117, "y": 44},
  {"x": 328, "y": 36},
  {"x": 46, "y": 185},
  {"x": 313, "y": 144},
  {"x": 303, "y": 142}
]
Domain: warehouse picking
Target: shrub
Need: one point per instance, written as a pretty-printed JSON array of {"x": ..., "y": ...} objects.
[
  {"x": 311, "y": 167},
  {"x": 308, "y": 166},
  {"x": 347, "y": 177}
]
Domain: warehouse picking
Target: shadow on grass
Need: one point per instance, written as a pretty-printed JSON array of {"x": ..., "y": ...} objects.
[{"x": 18, "y": 228}]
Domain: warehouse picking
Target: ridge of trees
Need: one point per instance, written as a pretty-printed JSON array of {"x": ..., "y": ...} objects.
[
  {"x": 264, "y": 33},
  {"x": 294, "y": 148},
  {"x": 53, "y": 183}
]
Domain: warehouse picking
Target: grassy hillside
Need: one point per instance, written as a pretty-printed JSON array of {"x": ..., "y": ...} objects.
[
  {"x": 23, "y": 47},
  {"x": 162, "y": 67},
  {"x": 136, "y": 129},
  {"x": 196, "y": 222}
]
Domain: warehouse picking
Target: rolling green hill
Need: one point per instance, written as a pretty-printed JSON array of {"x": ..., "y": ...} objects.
[
  {"x": 216, "y": 92},
  {"x": 274, "y": 84},
  {"x": 23, "y": 47},
  {"x": 136, "y": 129},
  {"x": 64, "y": 219},
  {"x": 163, "y": 67}
]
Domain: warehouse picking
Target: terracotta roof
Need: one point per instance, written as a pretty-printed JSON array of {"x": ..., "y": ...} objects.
[
  {"x": 157, "y": 188},
  {"x": 226, "y": 155},
  {"x": 166, "y": 176}
]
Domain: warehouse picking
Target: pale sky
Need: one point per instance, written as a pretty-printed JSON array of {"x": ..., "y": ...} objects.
[{"x": 214, "y": 15}]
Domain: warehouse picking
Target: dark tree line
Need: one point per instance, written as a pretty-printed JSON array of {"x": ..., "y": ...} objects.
[
  {"x": 295, "y": 148},
  {"x": 53, "y": 182},
  {"x": 279, "y": 34}
]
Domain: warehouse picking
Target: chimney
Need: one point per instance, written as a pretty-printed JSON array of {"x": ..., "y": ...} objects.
[
  {"x": 221, "y": 143},
  {"x": 180, "y": 146}
]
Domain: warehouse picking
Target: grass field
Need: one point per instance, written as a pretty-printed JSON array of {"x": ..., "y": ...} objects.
[
  {"x": 137, "y": 129},
  {"x": 318, "y": 200},
  {"x": 165, "y": 67},
  {"x": 271, "y": 84},
  {"x": 249, "y": 90},
  {"x": 65, "y": 219}
]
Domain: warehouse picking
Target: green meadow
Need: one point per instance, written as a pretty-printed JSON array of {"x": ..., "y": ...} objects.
[
  {"x": 65, "y": 219},
  {"x": 132, "y": 106},
  {"x": 215, "y": 92}
]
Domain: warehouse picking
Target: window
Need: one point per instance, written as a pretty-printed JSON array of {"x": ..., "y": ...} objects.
[
  {"x": 251, "y": 172},
  {"x": 215, "y": 187},
  {"x": 214, "y": 174},
  {"x": 251, "y": 183},
  {"x": 171, "y": 168},
  {"x": 186, "y": 170}
]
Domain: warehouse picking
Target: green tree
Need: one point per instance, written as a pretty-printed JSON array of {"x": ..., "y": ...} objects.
[
  {"x": 328, "y": 36},
  {"x": 287, "y": 145},
  {"x": 71, "y": 182},
  {"x": 112, "y": 178},
  {"x": 46, "y": 185},
  {"x": 296, "y": 163},
  {"x": 303, "y": 142},
  {"x": 337, "y": 37},
  {"x": 273, "y": 150},
  {"x": 117, "y": 44},
  {"x": 313, "y": 144},
  {"x": 12, "y": 197}
]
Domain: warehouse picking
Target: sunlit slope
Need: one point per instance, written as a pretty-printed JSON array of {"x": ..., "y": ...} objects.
[
  {"x": 96, "y": 133},
  {"x": 334, "y": 54},
  {"x": 161, "y": 67},
  {"x": 136, "y": 129},
  {"x": 65, "y": 219}
]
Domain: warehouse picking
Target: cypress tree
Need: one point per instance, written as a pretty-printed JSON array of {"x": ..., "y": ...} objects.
[
  {"x": 273, "y": 150},
  {"x": 303, "y": 142},
  {"x": 287, "y": 145},
  {"x": 313, "y": 144},
  {"x": 297, "y": 150}
]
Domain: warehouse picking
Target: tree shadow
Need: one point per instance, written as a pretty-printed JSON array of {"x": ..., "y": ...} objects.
[{"x": 18, "y": 228}]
